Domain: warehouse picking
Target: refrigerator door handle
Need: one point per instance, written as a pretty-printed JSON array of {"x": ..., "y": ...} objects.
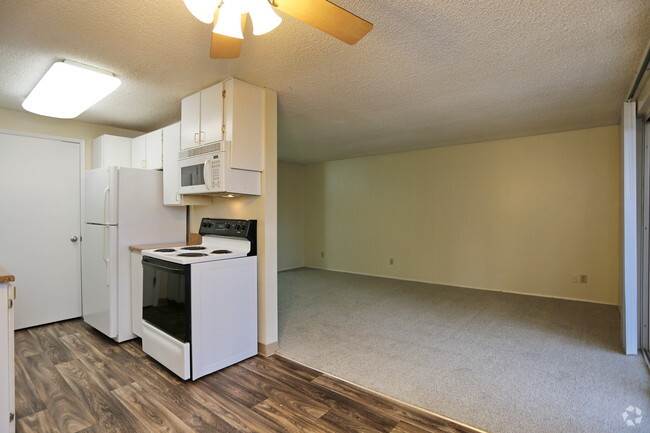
[
  {"x": 106, "y": 259},
  {"x": 108, "y": 188}
]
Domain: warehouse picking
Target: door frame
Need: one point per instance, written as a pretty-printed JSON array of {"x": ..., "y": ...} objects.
[
  {"x": 82, "y": 169},
  {"x": 644, "y": 295}
]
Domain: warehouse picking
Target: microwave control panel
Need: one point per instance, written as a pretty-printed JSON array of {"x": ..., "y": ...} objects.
[{"x": 216, "y": 173}]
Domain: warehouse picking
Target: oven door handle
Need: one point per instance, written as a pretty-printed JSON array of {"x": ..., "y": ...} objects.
[{"x": 178, "y": 271}]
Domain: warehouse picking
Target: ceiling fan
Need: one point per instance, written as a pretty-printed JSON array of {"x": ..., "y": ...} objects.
[{"x": 229, "y": 18}]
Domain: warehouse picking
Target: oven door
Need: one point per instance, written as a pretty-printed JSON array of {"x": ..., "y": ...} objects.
[
  {"x": 202, "y": 173},
  {"x": 166, "y": 292}
]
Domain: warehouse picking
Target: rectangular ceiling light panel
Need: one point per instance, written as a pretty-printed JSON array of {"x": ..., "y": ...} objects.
[{"x": 68, "y": 89}]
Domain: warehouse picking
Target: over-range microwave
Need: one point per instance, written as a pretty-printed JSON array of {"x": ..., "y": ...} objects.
[{"x": 207, "y": 170}]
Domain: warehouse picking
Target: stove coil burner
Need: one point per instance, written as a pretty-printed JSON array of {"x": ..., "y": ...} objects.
[
  {"x": 165, "y": 250},
  {"x": 192, "y": 254},
  {"x": 196, "y": 248},
  {"x": 221, "y": 252}
]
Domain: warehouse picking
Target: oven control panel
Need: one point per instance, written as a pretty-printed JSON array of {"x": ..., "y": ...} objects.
[{"x": 228, "y": 227}]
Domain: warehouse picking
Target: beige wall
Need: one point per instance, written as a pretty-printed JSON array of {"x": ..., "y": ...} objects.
[
  {"x": 521, "y": 215},
  {"x": 264, "y": 209},
  {"x": 28, "y": 122},
  {"x": 291, "y": 216}
]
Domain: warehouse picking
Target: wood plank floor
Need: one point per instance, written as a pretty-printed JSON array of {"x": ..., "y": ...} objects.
[{"x": 70, "y": 378}]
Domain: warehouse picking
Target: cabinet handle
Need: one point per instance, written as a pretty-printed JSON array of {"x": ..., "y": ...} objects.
[
  {"x": 196, "y": 137},
  {"x": 202, "y": 136},
  {"x": 143, "y": 163}
]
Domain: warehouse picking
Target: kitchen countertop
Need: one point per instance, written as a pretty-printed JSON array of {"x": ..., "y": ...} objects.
[
  {"x": 5, "y": 277},
  {"x": 195, "y": 239}
]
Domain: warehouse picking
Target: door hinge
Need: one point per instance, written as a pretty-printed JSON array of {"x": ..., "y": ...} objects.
[
  {"x": 12, "y": 416},
  {"x": 10, "y": 304},
  {"x": 223, "y": 93},
  {"x": 223, "y": 129}
]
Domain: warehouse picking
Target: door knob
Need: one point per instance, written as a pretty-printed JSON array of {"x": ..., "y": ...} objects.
[{"x": 74, "y": 239}]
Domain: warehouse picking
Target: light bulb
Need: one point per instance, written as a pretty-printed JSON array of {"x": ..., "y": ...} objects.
[
  {"x": 263, "y": 17},
  {"x": 229, "y": 21},
  {"x": 203, "y": 10}
]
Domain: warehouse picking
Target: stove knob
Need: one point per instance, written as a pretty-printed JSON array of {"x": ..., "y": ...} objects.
[
  {"x": 238, "y": 227},
  {"x": 228, "y": 225}
]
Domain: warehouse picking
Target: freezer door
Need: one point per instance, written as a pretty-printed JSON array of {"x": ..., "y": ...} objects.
[
  {"x": 99, "y": 278},
  {"x": 100, "y": 196}
]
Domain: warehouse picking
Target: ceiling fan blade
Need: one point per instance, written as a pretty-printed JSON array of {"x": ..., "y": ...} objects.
[
  {"x": 225, "y": 47},
  {"x": 327, "y": 17}
]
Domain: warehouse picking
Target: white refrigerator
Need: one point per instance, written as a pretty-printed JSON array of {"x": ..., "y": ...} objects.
[{"x": 122, "y": 207}]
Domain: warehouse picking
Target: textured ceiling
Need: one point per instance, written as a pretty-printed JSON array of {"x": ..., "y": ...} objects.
[{"x": 430, "y": 73}]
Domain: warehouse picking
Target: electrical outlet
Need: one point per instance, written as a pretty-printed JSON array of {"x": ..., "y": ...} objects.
[
  {"x": 583, "y": 278},
  {"x": 391, "y": 260}
]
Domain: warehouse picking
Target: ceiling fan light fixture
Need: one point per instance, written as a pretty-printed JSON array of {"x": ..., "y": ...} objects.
[
  {"x": 68, "y": 89},
  {"x": 203, "y": 10},
  {"x": 229, "y": 21},
  {"x": 263, "y": 17}
]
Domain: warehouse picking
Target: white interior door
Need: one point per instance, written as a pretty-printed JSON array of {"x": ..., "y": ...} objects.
[{"x": 39, "y": 222}]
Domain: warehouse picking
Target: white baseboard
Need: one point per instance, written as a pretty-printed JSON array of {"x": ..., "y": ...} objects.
[
  {"x": 288, "y": 269},
  {"x": 267, "y": 349},
  {"x": 539, "y": 295}
]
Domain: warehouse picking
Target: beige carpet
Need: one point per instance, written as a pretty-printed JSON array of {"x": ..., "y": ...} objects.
[{"x": 501, "y": 362}]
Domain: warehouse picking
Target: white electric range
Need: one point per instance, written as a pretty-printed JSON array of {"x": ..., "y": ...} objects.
[{"x": 200, "y": 302}]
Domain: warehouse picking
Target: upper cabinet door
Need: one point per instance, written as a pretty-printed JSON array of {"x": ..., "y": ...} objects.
[
  {"x": 139, "y": 152},
  {"x": 190, "y": 121},
  {"x": 171, "y": 136},
  {"x": 244, "y": 120},
  {"x": 211, "y": 114},
  {"x": 154, "y": 150}
]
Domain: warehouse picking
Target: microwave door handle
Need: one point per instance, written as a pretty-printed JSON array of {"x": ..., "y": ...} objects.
[{"x": 207, "y": 173}]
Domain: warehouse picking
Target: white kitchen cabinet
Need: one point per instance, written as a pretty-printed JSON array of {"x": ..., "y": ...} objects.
[
  {"x": 232, "y": 111},
  {"x": 136, "y": 293},
  {"x": 202, "y": 117},
  {"x": 171, "y": 139},
  {"x": 7, "y": 380},
  {"x": 190, "y": 121},
  {"x": 146, "y": 151},
  {"x": 244, "y": 124},
  {"x": 154, "y": 150},
  {"x": 110, "y": 150},
  {"x": 138, "y": 152}
]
